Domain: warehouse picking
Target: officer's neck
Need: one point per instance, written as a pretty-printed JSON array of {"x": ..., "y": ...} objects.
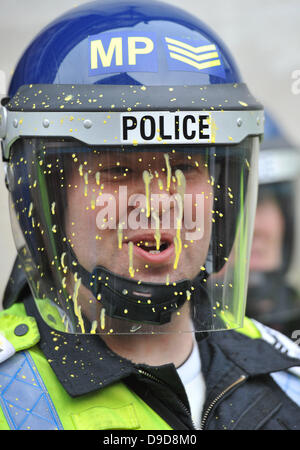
[{"x": 172, "y": 345}]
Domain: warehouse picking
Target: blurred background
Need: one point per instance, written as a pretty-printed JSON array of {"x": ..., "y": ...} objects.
[{"x": 263, "y": 37}]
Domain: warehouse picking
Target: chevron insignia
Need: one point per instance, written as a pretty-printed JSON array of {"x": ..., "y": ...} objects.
[{"x": 197, "y": 58}]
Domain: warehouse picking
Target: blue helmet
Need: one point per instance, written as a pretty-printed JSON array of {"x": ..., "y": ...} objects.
[
  {"x": 279, "y": 170},
  {"x": 116, "y": 98},
  {"x": 279, "y": 158},
  {"x": 126, "y": 43}
]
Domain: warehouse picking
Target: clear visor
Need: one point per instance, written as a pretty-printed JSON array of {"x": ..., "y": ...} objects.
[
  {"x": 273, "y": 287},
  {"x": 135, "y": 239}
]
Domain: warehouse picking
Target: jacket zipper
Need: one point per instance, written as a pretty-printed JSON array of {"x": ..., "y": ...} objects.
[
  {"x": 152, "y": 377},
  {"x": 213, "y": 403}
]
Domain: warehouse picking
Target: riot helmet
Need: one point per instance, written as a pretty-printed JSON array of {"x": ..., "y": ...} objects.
[
  {"x": 131, "y": 146},
  {"x": 272, "y": 298}
]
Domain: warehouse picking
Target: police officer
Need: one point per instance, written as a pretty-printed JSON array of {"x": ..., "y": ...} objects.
[
  {"x": 131, "y": 151},
  {"x": 272, "y": 299}
]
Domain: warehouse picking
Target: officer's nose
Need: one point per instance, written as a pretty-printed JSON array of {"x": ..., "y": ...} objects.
[{"x": 166, "y": 200}]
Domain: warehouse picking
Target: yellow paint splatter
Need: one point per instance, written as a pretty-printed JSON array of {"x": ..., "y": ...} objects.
[
  {"x": 75, "y": 292},
  {"x": 120, "y": 235},
  {"x": 169, "y": 170},
  {"x": 167, "y": 279},
  {"x": 157, "y": 232},
  {"x": 178, "y": 248},
  {"x": 94, "y": 327},
  {"x": 102, "y": 318},
  {"x": 62, "y": 260},
  {"x": 214, "y": 129},
  {"x": 177, "y": 238},
  {"x": 30, "y": 209},
  {"x": 80, "y": 319},
  {"x": 130, "y": 254}
]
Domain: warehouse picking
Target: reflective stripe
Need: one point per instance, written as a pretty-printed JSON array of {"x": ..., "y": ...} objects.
[
  {"x": 289, "y": 380},
  {"x": 6, "y": 349},
  {"x": 25, "y": 401}
]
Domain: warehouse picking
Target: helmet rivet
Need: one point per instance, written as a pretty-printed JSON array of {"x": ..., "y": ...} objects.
[
  {"x": 87, "y": 123},
  {"x": 15, "y": 123},
  {"x": 46, "y": 123},
  {"x": 239, "y": 122}
]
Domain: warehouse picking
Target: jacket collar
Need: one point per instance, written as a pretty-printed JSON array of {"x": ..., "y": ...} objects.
[
  {"x": 228, "y": 355},
  {"x": 84, "y": 363},
  {"x": 253, "y": 356}
]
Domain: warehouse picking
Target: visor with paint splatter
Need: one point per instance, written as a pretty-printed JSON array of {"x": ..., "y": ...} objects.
[{"x": 135, "y": 236}]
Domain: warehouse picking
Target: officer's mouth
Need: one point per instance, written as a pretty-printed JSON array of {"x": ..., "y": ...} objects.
[{"x": 152, "y": 250}]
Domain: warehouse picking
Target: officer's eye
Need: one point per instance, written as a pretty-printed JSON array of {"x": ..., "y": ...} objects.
[
  {"x": 185, "y": 168},
  {"x": 116, "y": 171}
]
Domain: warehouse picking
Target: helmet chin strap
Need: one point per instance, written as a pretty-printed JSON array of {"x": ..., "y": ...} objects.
[{"x": 137, "y": 301}]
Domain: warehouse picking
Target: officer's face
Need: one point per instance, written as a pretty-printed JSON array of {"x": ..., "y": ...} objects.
[
  {"x": 142, "y": 215},
  {"x": 266, "y": 251}
]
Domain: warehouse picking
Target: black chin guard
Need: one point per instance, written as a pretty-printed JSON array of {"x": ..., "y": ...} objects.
[{"x": 138, "y": 301}]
